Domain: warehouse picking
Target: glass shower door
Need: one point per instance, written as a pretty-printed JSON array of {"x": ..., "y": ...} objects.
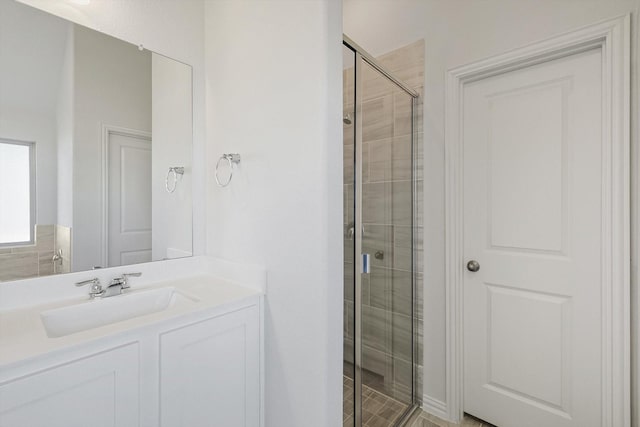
[
  {"x": 348, "y": 119},
  {"x": 387, "y": 237},
  {"x": 379, "y": 334}
]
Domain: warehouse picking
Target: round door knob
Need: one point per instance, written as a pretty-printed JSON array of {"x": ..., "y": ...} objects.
[{"x": 473, "y": 265}]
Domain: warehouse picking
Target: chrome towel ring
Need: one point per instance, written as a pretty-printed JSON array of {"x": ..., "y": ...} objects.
[
  {"x": 232, "y": 159},
  {"x": 177, "y": 171}
]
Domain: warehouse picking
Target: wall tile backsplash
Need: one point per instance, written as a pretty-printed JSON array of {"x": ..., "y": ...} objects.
[{"x": 23, "y": 262}]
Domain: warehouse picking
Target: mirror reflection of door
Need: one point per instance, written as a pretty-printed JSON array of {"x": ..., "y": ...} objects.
[{"x": 129, "y": 195}]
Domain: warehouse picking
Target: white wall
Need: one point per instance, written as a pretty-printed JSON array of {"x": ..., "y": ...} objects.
[
  {"x": 458, "y": 32},
  {"x": 171, "y": 111},
  {"x": 274, "y": 96},
  {"x": 28, "y": 90},
  {"x": 64, "y": 134},
  {"x": 29, "y": 82},
  {"x": 172, "y": 28},
  {"x": 112, "y": 86}
]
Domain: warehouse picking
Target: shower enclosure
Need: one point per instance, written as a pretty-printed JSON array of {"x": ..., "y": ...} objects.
[{"x": 380, "y": 188}]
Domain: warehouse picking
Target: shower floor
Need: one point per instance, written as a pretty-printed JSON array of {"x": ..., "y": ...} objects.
[{"x": 378, "y": 410}]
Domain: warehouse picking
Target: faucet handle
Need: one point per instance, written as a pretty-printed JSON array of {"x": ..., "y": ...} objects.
[
  {"x": 94, "y": 281},
  {"x": 124, "y": 279},
  {"x": 95, "y": 290}
]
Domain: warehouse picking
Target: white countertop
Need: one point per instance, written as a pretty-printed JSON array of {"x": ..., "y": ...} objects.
[{"x": 23, "y": 335}]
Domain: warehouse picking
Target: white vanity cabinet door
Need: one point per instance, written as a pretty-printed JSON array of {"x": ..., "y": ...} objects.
[
  {"x": 210, "y": 372},
  {"x": 98, "y": 390}
]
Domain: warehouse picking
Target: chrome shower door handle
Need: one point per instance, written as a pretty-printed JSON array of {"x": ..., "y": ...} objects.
[{"x": 366, "y": 263}]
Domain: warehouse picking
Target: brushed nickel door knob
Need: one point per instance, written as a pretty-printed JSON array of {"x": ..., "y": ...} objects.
[{"x": 473, "y": 266}]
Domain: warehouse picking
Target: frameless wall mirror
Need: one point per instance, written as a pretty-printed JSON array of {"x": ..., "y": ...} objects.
[{"x": 95, "y": 149}]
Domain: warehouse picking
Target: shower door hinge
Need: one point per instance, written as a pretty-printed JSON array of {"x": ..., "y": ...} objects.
[{"x": 366, "y": 263}]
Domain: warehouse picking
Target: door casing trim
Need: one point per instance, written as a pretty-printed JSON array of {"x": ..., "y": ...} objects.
[{"x": 613, "y": 37}]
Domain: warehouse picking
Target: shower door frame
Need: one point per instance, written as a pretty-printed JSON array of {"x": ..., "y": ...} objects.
[{"x": 362, "y": 56}]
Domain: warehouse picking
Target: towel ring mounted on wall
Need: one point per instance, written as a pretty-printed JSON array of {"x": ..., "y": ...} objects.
[
  {"x": 177, "y": 171},
  {"x": 232, "y": 159}
]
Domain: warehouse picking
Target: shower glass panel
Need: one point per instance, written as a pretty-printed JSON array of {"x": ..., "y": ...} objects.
[
  {"x": 387, "y": 303},
  {"x": 349, "y": 232},
  {"x": 379, "y": 349}
]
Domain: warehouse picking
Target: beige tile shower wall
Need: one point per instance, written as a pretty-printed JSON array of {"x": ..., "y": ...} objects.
[
  {"x": 387, "y": 185},
  {"x": 35, "y": 260}
]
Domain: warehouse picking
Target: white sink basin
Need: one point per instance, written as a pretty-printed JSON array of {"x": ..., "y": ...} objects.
[{"x": 92, "y": 314}]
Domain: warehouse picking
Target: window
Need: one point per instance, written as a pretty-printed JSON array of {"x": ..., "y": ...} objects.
[{"x": 17, "y": 192}]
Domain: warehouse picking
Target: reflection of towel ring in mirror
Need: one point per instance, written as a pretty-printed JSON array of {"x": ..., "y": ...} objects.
[
  {"x": 177, "y": 171},
  {"x": 232, "y": 159}
]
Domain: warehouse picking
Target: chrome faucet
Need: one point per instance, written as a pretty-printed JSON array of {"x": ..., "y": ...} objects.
[{"x": 116, "y": 287}]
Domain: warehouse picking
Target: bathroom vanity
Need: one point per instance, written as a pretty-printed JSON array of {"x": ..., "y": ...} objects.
[
  {"x": 185, "y": 351},
  {"x": 99, "y": 133}
]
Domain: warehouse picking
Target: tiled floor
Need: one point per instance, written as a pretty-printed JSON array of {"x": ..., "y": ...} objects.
[
  {"x": 378, "y": 410},
  {"x": 427, "y": 420}
]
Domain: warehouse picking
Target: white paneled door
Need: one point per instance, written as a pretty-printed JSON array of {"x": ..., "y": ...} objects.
[
  {"x": 533, "y": 215},
  {"x": 129, "y": 199}
]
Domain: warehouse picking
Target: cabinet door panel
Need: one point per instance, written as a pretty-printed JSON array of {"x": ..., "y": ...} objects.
[
  {"x": 210, "y": 372},
  {"x": 98, "y": 390}
]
